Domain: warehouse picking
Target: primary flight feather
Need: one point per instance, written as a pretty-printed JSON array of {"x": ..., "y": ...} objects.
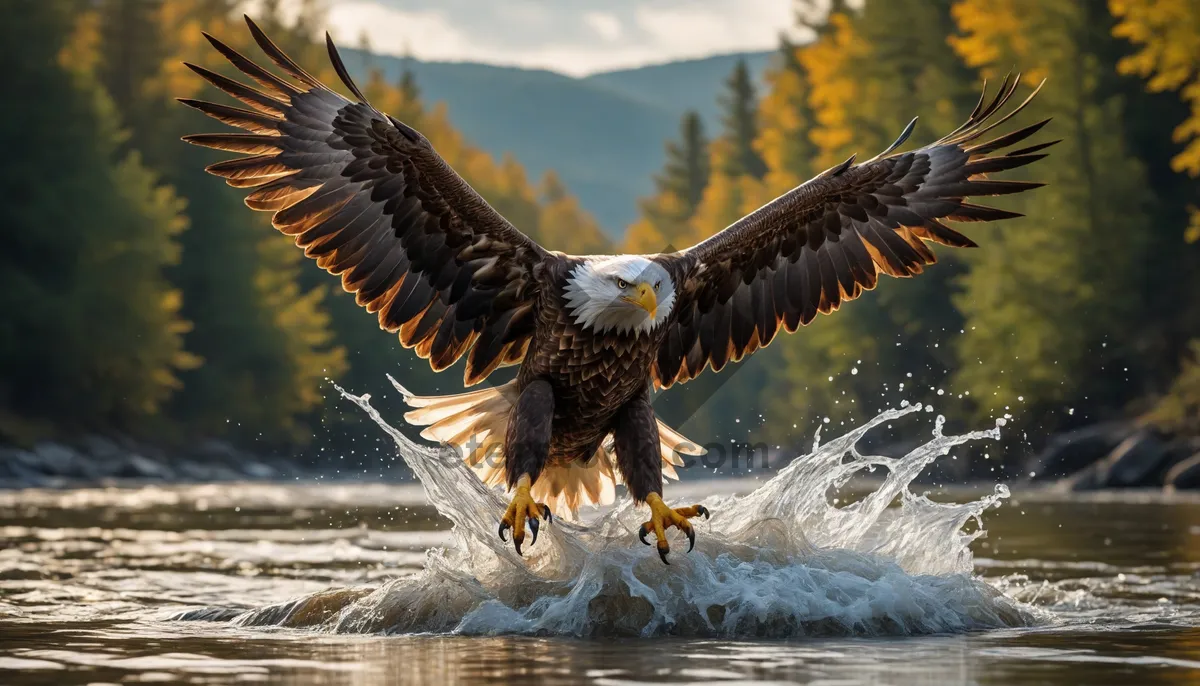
[{"x": 370, "y": 200}]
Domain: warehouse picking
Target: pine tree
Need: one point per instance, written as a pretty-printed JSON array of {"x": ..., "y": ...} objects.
[
  {"x": 131, "y": 50},
  {"x": 787, "y": 118},
  {"x": 679, "y": 188},
  {"x": 91, "y": 334},
  {"x": 740, "y": 120},
  {"x": 409, "y": 108},
  {"x": 686, "y": 172},
  {"x": 263, "y": 335},
  {"x": 735, "y": 187},
  {"x": 1050, "y": 301},
  {"x": 851, "y": 91},
  {"x": 1165, "y": 36}
]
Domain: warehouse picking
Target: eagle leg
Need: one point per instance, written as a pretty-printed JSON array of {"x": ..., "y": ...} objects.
[
  {"x": 636, "y": 443},
  {"x": 663, "y": 517},
  {"x": 526, "y": 447},
  {"x": 522, "y": 509}
]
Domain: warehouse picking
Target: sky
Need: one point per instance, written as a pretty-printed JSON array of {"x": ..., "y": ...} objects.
[{"x": 574, "y": 37}]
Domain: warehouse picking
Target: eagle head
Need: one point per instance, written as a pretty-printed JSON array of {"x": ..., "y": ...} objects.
[{"x": 626, "y": 294}]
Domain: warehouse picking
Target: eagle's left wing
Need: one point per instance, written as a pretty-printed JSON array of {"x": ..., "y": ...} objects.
[{"x": 825, "y": 242}]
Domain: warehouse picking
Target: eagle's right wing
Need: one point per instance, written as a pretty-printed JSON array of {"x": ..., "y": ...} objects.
[{"x": 369, "y": 198}]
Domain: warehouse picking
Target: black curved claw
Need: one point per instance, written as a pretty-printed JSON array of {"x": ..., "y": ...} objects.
[
  {"x": 533, "y": 526},
  {"x": 517, "y": 544},
  {"x": 643, "y": 531},
  {"x": 691, "y": 534},
  {"x": 503, "y": 527},
  {"x": 700, "y": 509},
  {"x": 662, "y": 553},
  {"x": 546, "y": 513}
]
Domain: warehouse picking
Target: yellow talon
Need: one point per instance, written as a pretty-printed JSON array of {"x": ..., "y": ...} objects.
[
  {"x": 520, "y": 509},
  {"x": 662, "y": 517}
]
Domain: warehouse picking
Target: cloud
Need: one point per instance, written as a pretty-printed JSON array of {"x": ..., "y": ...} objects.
[
  {"x": 427, "y": 33},
  {"x": 606, "y": 25},
  {"x": 576, "y": 38},
  {"x": 692, "y": 30}
]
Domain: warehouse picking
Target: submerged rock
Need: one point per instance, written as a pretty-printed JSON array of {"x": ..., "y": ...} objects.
[
  {"x": 1144, "y": 459},
  {"x": 59, "y": 460},
  {"x": 1184, "y": 475},
  {"x": 1136, "y": 462},
  {"x": 1067, "y": 453},
  {"x": 95, "y": 459},
  {"x": 142, "y": 467}
]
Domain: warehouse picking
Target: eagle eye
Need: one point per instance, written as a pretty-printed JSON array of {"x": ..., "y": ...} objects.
[
  {"x": 657, "y": 285},
  {"x": 622, "y": 284}
]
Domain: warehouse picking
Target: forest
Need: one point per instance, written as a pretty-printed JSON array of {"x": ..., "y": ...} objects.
[
  {"x": 1083, "y": 311},
  {"x": 141, "y": 298}
]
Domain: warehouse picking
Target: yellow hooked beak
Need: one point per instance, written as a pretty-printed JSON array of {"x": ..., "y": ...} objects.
[{"x": 645, "y": 299}]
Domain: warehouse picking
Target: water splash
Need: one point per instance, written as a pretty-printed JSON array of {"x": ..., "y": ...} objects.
[{"x": 779, "y": 562}]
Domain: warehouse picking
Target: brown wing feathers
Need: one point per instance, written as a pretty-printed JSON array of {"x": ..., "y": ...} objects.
[
  {"x": 826, "y": 241},
  {"x": 371, "y": 201}
]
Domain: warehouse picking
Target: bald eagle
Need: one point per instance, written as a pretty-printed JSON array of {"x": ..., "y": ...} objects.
[{"x": 371, "y": 201}]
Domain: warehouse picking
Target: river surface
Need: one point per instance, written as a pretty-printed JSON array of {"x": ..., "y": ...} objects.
[{"x": 371, "y": 584}]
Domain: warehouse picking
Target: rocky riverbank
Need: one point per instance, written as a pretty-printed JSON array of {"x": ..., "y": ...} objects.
[
  {"x": 96, "y": 459},
  {"x": 1112, "y": 455},
  {"x": 1117, "y": 455}
]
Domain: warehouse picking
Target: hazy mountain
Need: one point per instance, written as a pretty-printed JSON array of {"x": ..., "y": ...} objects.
[
  {"x": 680, "y": 86},
  {"x": 603, "y": 134}
]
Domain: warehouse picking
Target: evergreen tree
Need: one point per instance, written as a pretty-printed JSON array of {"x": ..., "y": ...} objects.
[
  {"x": 1051, "y": 301},
  {"x": 787, "y": 118},
  {"x": 686, "y": 172},
  {"x": 844, "y": 89},
  {"x": 1165, "y": 40},
  {"x": 679, "y": 188},
  {"x": 131, "y": 51},
  {"x": 91, "y": 334},
  {"x": 409, "y": 108},
  {"x": 740, "y": 120},
  {"x": 263, "y": 334},
  {"x": 734, "y": 188}
]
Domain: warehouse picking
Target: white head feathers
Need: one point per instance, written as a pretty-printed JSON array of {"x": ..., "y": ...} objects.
[{"x": 620, "y": 293}]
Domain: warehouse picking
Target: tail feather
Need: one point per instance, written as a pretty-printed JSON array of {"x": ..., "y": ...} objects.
[{"x": 476, "y": 423}]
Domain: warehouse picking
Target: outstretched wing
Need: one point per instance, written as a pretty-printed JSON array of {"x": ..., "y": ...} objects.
[
  {"x": 369, "y": 198},
  {"x": 825, "y": 242}
]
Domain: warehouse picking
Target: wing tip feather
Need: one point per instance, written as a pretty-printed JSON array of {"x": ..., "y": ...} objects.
[{"x": 340, "y": 67}]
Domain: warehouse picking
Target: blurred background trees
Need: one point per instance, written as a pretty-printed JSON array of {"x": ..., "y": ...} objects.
[{"x": 140, "y": 296}]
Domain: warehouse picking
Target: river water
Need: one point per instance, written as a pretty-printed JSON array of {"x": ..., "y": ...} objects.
[{"x": 834, "y": 571}]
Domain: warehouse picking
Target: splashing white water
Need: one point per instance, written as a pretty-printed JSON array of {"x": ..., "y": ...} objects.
[{"x": 779, "y": 562}]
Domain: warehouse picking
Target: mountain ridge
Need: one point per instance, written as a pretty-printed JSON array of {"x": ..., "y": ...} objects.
[{"x": 603, "y": 134}]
